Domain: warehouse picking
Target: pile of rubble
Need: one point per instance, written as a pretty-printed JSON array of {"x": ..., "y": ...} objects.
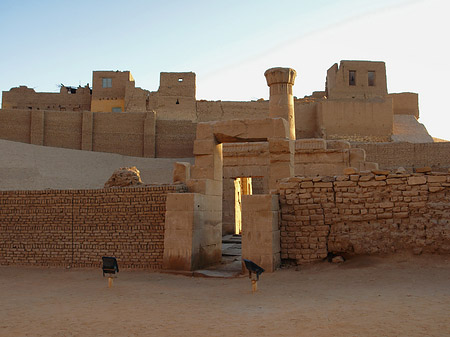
[{"x": 125, "y": 177}]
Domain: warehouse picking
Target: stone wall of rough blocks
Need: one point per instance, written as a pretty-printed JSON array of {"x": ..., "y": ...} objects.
[
  {"x": 77, "y": 227},
  {"x": 364, "y": 213}
]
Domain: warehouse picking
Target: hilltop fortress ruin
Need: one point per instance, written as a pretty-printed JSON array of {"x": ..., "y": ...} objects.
[{"x": 299, "y": 178}]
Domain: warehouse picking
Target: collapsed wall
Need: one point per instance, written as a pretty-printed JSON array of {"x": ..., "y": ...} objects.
[
  {"x": 364, "y": 213},
  {"x": 75, "y": 228}
]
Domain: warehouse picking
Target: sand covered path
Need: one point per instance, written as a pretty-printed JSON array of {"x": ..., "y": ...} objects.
[{"x": 366, "y": 296}]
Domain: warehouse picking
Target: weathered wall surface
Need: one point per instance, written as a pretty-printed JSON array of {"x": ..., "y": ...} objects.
[
  {"x": 390, "y": 156},
  {"x": 174, "y": 139},
  {"x": 119, "y": 133},
  {"x": 364, "y": 214},
  {"x": 26, "y": 98},
  {"x": 77, "y": 227},
  {"x": 63, "y": 129},
  {"x": 405, "y": 103},
  {"x": 15, "y": 125},
  {"x": 208, "y": 111},
  {"x": 338, "y": 85},
  {"x": 131, "y": 133},
  {"x": 306, "y": 120},
  {"x": 356, "y": 120}
]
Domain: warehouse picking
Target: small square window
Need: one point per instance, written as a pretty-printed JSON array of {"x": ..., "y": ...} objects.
[
  {"x": 180, "y": 80},
  {"x": 117, "y": 109},
  {"x": 371, "y": 78},
  {"x": 352, "y": 77},
  {"x": 107, "y": 82}
]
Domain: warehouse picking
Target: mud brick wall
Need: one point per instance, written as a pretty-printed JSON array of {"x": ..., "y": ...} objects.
[
  {"x": 175, "y": 139},
  {"x": 390, "y": 156},
  {"x": 77, "y": 227},
  {"x": 364, "y": 213}
]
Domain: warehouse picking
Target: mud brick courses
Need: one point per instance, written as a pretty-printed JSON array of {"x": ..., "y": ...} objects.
[
  {"x": 77, "y": 227},
  {"x": 364, "y": 213}
]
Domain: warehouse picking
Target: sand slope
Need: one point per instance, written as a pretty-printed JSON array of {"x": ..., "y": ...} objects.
[
  {"x": 406, "y": 128},
  {"x": 28, "y": 167}
]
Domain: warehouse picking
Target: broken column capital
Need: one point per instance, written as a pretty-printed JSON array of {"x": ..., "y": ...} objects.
[{"x": 280, "y": 75}]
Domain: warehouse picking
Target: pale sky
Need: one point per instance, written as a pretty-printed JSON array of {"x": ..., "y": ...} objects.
[{"x": 229, "y": 44}]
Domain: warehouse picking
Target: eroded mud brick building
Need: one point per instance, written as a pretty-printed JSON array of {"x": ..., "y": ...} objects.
[{"x": 116, "y": 116}]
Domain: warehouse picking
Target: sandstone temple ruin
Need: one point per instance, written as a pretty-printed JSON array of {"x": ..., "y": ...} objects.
[{"x": 299, "y": 178}]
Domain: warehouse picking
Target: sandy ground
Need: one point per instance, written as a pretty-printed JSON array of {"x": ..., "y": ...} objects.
[
  {"x": 32, "y": 167},
  {"x": 396, "y": 296}
]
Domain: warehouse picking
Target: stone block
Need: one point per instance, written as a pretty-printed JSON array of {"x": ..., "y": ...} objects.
[
  {"x": 207, "y": 235},
  {"x": 198, "y": 172},
  {"x": 205, "y": 131},
  {"x": 178, "y": 238},
  {"x": 182, "y": 201},
  {"x": 420, "y": 180},
  {"x": 279, "y": 128},
  {"x": 381, "y": 172},
  {"x": 281, "y": 170},
  {"x": 435, "y": 189},
  {"x": 179, "y": 221},
  {"x": 231, "y": 130},
  {"x": 177, "y": 258},
  {"x": 323, "y": 184},
  {"x": 326, "y": 157},
  {"x": 368, "y": 166},
  {"x": 345, "y": 183},
  {"x": 279, "y": 145},
  {"x": 205, "y": 161},
  {"x": 262, "y": 221},
  {"x": 181, "y": 172},
  {"x": 207, "y": 255},
  {"x": 394, "y": 181},
  {"x": 204, "y": 146},
  {"x": 205, "y": 186},
  {"x": 260, "y": 243},
  {"x": 437, "y": 179},
  {"x": 357, "y": 155},
  {"x": 425, "y": 169},
  {"x": 311, "y": 144},
  {"x": 338, "y": 144},
  {"x": 260, "y": 202},
  {"x": 350, "y": 170},
  {"x": 372, "y": 183},
  {"x": 281, "y": 157}
]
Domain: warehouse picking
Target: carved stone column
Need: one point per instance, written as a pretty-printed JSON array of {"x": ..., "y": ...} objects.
[{"x": 281, "y": 103}]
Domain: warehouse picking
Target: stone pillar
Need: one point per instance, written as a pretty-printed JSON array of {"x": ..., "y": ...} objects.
[
  {"x": 260, "y": 230},
  {"x": 281, "y": 103}
]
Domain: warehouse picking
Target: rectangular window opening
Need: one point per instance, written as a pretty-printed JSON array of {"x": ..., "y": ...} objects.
[
  {"x": 117, "y": 109},
  {"x": 371, "y": 78},
  {"x": 180, "y": 80},
  {"x": 352, "y": 77},
  {"x": 106, "y": 82}
]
